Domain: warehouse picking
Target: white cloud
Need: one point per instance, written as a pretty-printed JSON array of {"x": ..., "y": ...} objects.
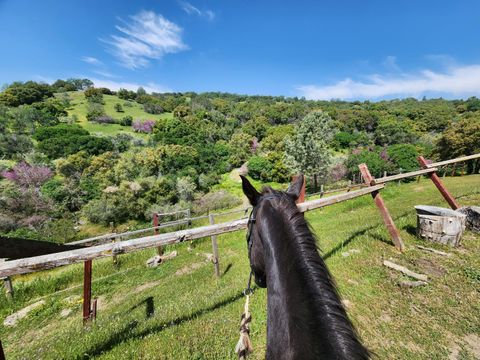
[
  {"x": 117, "y": 85},
  {"x": 390, "y": 63},
  {"x": 192, "y": 10},
  {"x": 458, "y": 81},
  {"x": 91, "y": 60},
  {"x": 146, "y": 36}
]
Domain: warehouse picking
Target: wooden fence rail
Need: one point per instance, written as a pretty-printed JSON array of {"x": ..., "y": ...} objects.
[
  {"x": 453, "y": 161},
  {"x": 103, "y": 239},
  {"x": 37, "y": 263},
  {"x": 386, "y": 179}
]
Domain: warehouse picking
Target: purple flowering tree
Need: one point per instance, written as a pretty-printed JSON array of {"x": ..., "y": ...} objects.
[
  {"x": 27, "y": 176},
  {"x": 145, "y": 126}
]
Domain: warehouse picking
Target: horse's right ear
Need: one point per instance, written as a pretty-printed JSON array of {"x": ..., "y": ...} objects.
[{"x": 250, "y": 192}]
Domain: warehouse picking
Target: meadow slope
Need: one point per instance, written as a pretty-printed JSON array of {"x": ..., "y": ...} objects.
[{"x": 180, "y": 311}]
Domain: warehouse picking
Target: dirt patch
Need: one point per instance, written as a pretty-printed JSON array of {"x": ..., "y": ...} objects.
[
  {"x": 473, "y": 344},
  {"x": 146, "y": 286},
  {"x": 188, "y": 269},
  {"x": 430, "y": 268},
  {"x": 11, "y": 320},
  {"x": 454, "y": 352}
]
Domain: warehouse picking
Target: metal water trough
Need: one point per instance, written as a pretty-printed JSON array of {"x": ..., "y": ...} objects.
[{"x": 440, "y": 225}]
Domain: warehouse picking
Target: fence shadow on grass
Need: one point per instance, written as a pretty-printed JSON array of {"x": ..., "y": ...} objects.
[{"x": 128, "y": 332}]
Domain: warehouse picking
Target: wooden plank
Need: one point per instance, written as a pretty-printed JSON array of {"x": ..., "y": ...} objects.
[
  {"x": 318, "y": 203},
  {"x": 386, "y": 179},
  {"x": 387, "y": 219},
  {"x": 452, "y": 161},
  {"x": 28, "y": 265},
  {"x": 215, "y": 248},
  {"x": 438, "y": 183},
  {"x": 405, "y": 271},
  {"x": 438, "y": 252}
]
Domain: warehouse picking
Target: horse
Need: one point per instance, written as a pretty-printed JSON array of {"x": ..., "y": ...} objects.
[{"x": 305, "y": 316}]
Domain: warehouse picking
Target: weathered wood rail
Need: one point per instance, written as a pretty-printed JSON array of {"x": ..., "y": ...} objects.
[
  {"x": 38, "y": 263},
  {"x": 103, "y": 239},
  {"x": 453, "y": 161}
]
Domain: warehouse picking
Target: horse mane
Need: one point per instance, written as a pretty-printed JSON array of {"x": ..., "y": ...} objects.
[{"x": 322, "y": 288}]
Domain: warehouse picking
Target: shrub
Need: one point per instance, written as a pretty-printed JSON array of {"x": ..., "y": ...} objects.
[
  {"x": 404, "y": 157},
  {"x": 214, "y": 201},
  {"x": 126, "y": 121},
  {"x": 26, "y": 176},
  {"x": 118, "y": 107},
  {"x": 152, "y": 108},
  {"x": 143, "y": 126},
  {"x": 259, "y": 168},
  {"x": 104, "y": 119}
]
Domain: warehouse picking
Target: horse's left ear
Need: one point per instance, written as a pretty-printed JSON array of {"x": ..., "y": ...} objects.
[
  {"x": 250, "y": 192},
  {"x": 296, "y": 187}
]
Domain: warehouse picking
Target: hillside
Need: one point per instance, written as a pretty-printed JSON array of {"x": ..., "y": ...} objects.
[
  {"x": 135, "y": 110},
  {"x": 196, "y": 316}
]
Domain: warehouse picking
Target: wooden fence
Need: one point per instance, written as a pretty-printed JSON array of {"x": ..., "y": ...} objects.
[{"x": 104, "y": 246}]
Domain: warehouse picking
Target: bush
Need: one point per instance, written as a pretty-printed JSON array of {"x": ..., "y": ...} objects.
[
  {"x": 404, "y": 157},
  {"x": 94, "y": 111},
  {"x": 143, "y": 126},
  {"x": 118, "y": 107},
  {"x": 152, "y": 108},
  {"x": 126, "y": 121},
  {"x": 215, "y": 201},
  {"x": 259, "y": 168},
  {"x": 104, "y": 119}
]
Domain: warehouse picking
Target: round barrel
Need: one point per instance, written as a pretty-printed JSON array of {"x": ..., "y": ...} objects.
[{"x": 440, "y": 225}]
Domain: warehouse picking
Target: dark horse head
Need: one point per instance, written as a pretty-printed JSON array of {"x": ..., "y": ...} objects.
[{"x": 305, "y": 317}]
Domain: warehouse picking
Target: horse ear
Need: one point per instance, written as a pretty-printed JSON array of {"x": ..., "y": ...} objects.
[
  {"x": 296, "y": 187},
  {"x": 250, "y": 192}
]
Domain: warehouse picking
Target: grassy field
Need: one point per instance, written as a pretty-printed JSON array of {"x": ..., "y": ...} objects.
[
  {"x": 79, "y": 108},
  {"x": 180, "y": 311}
]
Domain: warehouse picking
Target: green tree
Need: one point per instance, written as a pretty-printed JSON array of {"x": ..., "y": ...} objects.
[
  {"x": 460, "y": 139},
  {"x": 403, "y": 156},
  {"x": 241, "y": 148},
  {"x": 307, "y": 150}
]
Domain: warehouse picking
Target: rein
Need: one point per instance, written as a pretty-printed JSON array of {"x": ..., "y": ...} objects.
[{"x": 244, "y": 346}]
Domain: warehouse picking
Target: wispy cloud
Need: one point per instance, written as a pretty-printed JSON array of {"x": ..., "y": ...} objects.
[
  {"x": 116, "y": 85},
  {"x": 144, "y": 37},
  {"x": 105, "y": 73},
  {"x": 192, "y": 10},
  {"x": 458, "y": 81},
  {"x": 92, "y": 61}
]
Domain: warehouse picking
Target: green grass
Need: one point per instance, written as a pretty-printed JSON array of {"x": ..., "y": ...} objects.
[
  {"x": 79, "y": 108},
  {"x": 197, "y": 316}
]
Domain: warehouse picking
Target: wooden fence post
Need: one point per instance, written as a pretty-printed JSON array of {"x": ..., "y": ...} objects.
[
  {"x": 2, "y": 354},
  {"x": 211, "y": 218},
  {"x": 387, "y": 219},
  {"x": 438, "y": 183},
  {"x": 155, "y": 231},
  {"x": 87, "y": 291},
  {"x": 8, "y": 287}
]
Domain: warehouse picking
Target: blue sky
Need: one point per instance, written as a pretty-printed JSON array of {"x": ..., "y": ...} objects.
[{"x": 317, "y": 49}]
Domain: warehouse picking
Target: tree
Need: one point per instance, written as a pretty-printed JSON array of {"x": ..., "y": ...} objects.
[
  {"x": 118, "y": 107},
  {"x": 403, "y": 156},
  {"x": 19, "y": 93},
  {"x": 460, "y": 139},
  {"x": 241, "y": 148},
  {"x": 307, "y": 150},
  {"x": 394, "y": 131}
]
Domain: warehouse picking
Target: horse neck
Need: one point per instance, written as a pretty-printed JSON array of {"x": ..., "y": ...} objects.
[{"x": 306, "y": 318}]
